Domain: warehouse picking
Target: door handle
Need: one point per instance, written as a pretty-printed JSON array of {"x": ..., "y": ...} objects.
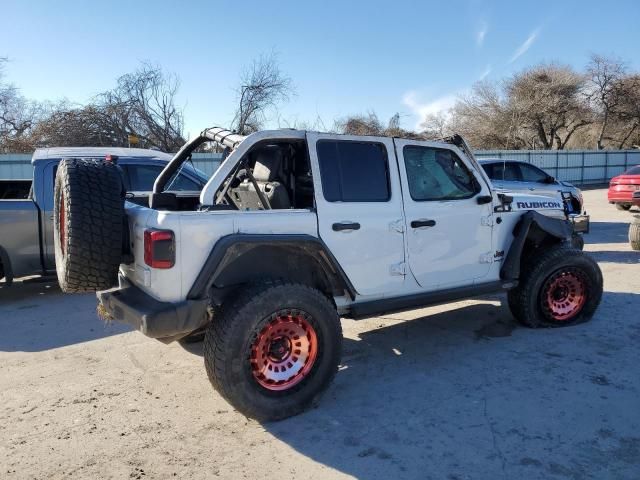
[
  {"x": 339, "y": 227},
  {"x": 423, "y": 223}
]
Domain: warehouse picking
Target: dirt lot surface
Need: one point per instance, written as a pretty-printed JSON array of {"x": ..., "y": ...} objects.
[{"x": 449, "y": 392}]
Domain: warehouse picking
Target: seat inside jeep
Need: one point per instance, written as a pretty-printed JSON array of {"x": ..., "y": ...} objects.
[{"x": 275, "y": 175}]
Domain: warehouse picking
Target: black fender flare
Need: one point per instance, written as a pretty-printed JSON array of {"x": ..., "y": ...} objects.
[
  {"x": 532, "y": 225},
  {"x": 238, "y": 257},
  {"x": 6, "y": 266}
]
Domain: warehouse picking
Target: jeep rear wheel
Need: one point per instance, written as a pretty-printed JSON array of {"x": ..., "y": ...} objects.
[
  {"x": 558, "y": 287},
  {"x": 273, "y": 349},
  {"x": 88, "y": 224}
]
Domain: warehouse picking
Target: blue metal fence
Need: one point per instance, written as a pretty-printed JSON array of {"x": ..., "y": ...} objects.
[
  {"x": 15, "y": 166},
  {"x": 582, "y": 167},
  {"x": 207, "y": 162}
]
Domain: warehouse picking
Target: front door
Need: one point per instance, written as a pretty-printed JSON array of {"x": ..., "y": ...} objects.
[
  {"x": 449, "y": 233},
  {"x": 359, "y": 204}
]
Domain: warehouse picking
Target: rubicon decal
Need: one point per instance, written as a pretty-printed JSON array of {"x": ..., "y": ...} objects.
[{"x": 534, "y": 205}]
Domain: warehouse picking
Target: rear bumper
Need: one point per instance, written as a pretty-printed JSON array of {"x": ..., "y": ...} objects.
[
  {"x": 580, "y": 223},
  {"x": 162, "y": 320}
]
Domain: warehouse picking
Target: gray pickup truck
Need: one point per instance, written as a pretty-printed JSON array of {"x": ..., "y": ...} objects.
[{"x": 26, "y": 206}]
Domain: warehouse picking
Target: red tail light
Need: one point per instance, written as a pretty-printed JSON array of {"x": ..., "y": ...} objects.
[{"x": 159, "y": 248}]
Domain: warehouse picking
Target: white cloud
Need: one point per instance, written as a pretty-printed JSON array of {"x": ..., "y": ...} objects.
[
  {"x": 421, "y": 108},
  {"x": 485, "y": 72},
  {"x": 525, "y": 46},
  {"x": 481, "y": 33}
]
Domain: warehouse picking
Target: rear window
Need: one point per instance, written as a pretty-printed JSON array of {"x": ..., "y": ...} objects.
[
  {"x": 353, "y": 171},
  {"x": 633, "y": 171}
]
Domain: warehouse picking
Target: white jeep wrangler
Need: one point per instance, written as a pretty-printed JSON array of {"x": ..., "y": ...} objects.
[{"x": 296, "y": 229}]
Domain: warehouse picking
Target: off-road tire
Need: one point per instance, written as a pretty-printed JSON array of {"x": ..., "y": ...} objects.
[
  {"x": 623, "y": 206},
  {"x": 634, "y": 233},
  {"x": 88, "y": 224},
  {"x": 526, "y": 301},
  {"x": 233, "y": 331}
]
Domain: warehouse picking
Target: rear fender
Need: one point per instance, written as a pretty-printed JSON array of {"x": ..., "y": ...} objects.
[
  {"x": 242, "y": 258},
  {"x": 533, "y": 230}
]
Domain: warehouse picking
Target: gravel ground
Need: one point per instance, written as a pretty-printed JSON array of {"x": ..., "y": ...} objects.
[{"x": 449, "y": 392}]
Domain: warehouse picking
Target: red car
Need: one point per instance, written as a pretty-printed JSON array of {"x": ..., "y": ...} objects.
[{"x": 623, "y": 187}]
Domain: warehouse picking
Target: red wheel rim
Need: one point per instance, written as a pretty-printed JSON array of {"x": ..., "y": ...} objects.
[
  {"x": 284, "y": 351},
  {"x": 564, "y": 294},
  {"x": 61, "y": 222}
]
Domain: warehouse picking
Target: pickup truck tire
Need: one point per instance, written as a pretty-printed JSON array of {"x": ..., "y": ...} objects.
[
  {"x": 273, "y": 349},
  {"x": 88, "y": 224},
  {"x": 559, "y": 286},
  {"x": 634, "y": 233}
]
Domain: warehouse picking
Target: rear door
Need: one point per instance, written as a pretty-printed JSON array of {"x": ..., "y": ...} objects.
[
  {"x": 449, "y": 233},
  {"x": 359, "y": 205}
]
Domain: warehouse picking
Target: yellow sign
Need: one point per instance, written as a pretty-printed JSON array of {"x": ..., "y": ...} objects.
[{"x": 133, "y": 140}]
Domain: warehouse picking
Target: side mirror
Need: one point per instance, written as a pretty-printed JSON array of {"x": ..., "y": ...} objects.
[
  {"x": 484, "y": 199},
  {"x": 549, "y": 179}
]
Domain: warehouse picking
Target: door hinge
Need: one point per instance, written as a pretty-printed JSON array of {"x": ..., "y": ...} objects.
[
  {"x": 486, "y": 258},
  {"x": 486, "y": 221},
  {"x": 397, "y": 226},
  {"x": 399, "y": 268}
]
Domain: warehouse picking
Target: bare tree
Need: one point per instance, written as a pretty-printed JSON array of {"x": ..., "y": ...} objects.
[
  {"x": 143, "y": 104},
  {"x": 370, "y": 124},
  {"x": 262, "y": 87},
  {"x": 17, "y": 116},
  {"x": 604, "y": 77},
  {"x": 549, "y": 99},
  {"x": 436, "y": 126},
  {"x": 488, "y": 120},
  {"x": 627, "y": 123}
]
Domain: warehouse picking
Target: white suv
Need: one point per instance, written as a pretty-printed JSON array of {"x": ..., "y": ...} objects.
[{"x": 296, "y": 229}]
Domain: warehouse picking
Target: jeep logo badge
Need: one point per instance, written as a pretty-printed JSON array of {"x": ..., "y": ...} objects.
[{"x": 534, "y": 205}]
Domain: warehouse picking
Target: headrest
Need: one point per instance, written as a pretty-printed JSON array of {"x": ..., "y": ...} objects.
[{"x": 268, "y": 164}]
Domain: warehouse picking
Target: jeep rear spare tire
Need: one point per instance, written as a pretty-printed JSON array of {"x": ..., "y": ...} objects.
[
  {"x": 273, "y": 349},
  {"x": 88, "y": 224}
]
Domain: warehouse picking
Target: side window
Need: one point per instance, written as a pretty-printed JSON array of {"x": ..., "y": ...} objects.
[
  {"x": 493, "y": 170},
  {"x": 489, "y": 170},
  {"x": 353, "y": 171},
  {"x": 141, "y": 177},
  {"x": 532, "y": 174},
  {"x": 437, "y": 174},
  {"x": 511, "y": 172},
  {"x": 183, "y": 184}
]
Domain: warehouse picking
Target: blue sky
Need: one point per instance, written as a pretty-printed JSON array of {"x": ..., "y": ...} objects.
[{"x": 344, "y": 57}]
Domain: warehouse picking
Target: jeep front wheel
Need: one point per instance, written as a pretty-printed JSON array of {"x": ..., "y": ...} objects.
[
  {"x": 558, "y": 287},
  {"x": 273, "y": 349}
]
